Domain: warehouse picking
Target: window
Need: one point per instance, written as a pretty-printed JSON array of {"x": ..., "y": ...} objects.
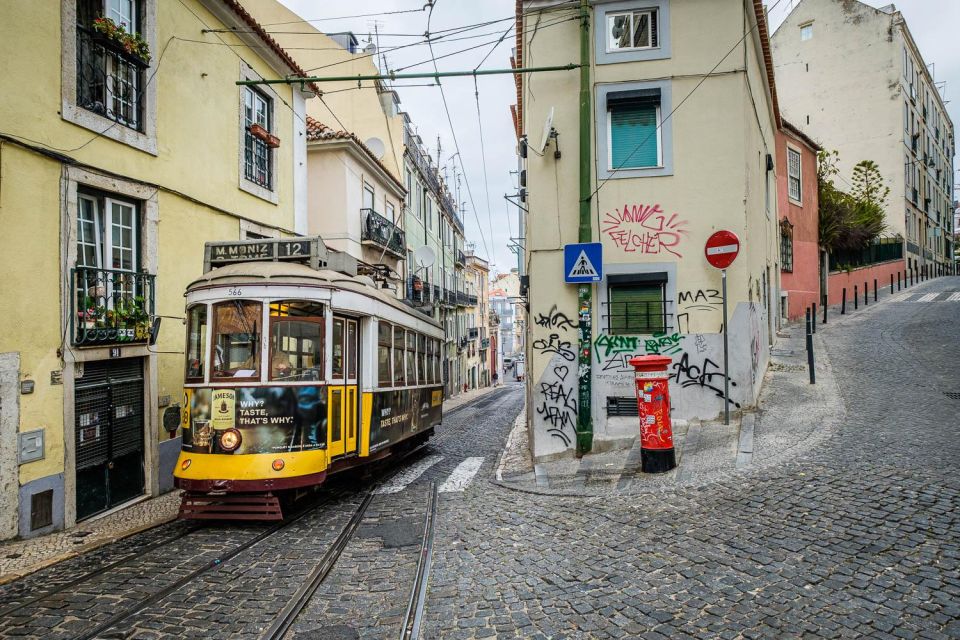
[
  {"x": 428, "y": 206},
  {"x": 296, "y": 340},
  {"x": 634, "y": 139},
  {"x": 806, "y": 31},
  {"x": 109, "y": 78},
  {"x": 108, "y": 239},
  {"x": 632, "y": 30},
  {"x": 793, "y": 174},
  {"x": 636, "y": 304},
  {"x": 437, "y": 347},
  {"x": 196, "y": 342},
  {"x": 236, "y": 347},
  {"x": 257, "y": 125},
  {"x": 384, "y": 347},
  {"x": 336, "y": 349},
  {"x": 369, "y": 196},
  {"x": 422, "y": 375},
  {"x": 398, "y": 378},
  {"x": 391, "y": 212},
  {"x": 411, "y": 358},
  {"x": 786, "y": 245}
]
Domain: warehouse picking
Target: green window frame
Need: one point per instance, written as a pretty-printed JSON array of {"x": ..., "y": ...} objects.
[{"x": 637, "y": 305}]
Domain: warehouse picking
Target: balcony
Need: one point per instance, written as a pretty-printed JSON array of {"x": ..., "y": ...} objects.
[
  {"x": 485, "y": 343},
  {"x": 108, "y": 307},
  {"x": 473, "y": 333},
  {"x": 459, "y": 259},
  {"x": 109, "y": 79},
  {"x": 381, "y": 232},
  {"x": 472, "y": 301},
  {"x": 461, "y": 299}
]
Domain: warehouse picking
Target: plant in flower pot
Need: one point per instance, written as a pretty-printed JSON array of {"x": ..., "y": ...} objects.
[
  {"x": 138, "y": 318},
  {"x": 118, "y": 38}
]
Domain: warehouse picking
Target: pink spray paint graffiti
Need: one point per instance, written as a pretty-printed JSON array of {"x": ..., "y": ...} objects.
[{"x": 646, "y": 229}]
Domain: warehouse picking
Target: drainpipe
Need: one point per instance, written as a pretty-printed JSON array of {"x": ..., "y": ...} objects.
[{"x": 585, "y": 291}]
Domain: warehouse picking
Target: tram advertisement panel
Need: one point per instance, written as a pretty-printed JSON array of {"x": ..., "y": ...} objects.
[
  {"x": 401, "y": 413},
  {"x": 268, "y": 419}
]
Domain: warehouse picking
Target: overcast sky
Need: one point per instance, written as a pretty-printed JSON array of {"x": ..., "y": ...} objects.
[{"x": 492, "y": 221}]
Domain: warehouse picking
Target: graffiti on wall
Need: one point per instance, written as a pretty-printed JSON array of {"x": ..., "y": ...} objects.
[
  {"x": 614, "y": 352},
  {"x": 557, "y": 403},
  {"x": 555, "y": 320},
  {"x": 756, "y": 342},
  {"x": 705, "y": 375},
  {"x": 645, "y": 229},
  {"x": 698, "y": 302},
  {"x": 554, "y": 344}
]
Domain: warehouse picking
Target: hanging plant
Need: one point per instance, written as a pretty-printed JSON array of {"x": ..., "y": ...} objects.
[{"x": 132, "y": 44}]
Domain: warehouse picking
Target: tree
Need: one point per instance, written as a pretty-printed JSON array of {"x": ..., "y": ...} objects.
[{"x": 850, "y": 220}]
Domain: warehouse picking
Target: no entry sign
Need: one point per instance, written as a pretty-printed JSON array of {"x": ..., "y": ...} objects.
[{"x": 722, "y": 249}]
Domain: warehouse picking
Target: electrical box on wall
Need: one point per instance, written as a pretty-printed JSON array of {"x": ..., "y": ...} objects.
[{"x": 30, "y": 447}]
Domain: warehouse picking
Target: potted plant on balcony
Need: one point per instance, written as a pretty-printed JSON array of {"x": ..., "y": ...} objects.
[{"x": 115, "y": 37}]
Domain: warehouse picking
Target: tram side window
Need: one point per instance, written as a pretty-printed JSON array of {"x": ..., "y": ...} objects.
[
  {"x": 411, "y": 358},
  {"x": 422, "y": 359},
  {"x": 196, "y": 341},
  {"x": 336, "y": 347},
  {"x": 398, "y": 378},
  {"x": 236, "y": 349},
  {"x": 384, "y": 345},
  {"x": 296, "y": 340},
  {"x": 437, "y": 348}
]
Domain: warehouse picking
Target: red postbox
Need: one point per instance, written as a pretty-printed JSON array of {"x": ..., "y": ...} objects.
[{"x": 653, "y": 403}]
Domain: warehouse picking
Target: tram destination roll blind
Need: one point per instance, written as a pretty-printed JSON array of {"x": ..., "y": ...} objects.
[{"x": 308, "y": 250}]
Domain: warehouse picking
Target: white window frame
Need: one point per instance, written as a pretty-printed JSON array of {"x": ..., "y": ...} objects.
[
  {"x": 651, "y": 12},
  {"x": 251, "y": 187},
  {"x": 103, "y": 231},
  {"x": 610, "y": 166},
  {"x": 371, "y": 191},
  {"x": 664, "y": 131},
  {"x": 806, "y": 32},
  {"x": 799, "y": 175}
]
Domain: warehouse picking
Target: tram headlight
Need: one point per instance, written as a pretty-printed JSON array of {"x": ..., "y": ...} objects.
[
  {"x": 185, "y": 464},
  {"x": 230, "y": 439},
  {"x": 278, "y": 464}
]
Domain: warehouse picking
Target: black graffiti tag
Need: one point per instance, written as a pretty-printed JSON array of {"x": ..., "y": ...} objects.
[
  {"x": 555, "y": 320},
  {"x": 555, "y": 345},
  {"x": 558, "y": 408},
  {"x": 705, "y": 376}
]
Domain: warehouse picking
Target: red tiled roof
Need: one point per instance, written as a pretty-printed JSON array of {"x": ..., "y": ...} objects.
[
  {"x": 317, "y": 131},
  {"x": 255, "y": 26}
]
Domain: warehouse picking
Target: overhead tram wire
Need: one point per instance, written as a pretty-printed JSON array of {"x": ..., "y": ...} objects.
[
  {"x": 656, "y": 130},
  {"x": 453, "y": 133},
  {"x": 359, "y": 15}
]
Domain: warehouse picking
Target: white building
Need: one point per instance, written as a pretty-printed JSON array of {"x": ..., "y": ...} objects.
[{"x": 880, "y": 103}]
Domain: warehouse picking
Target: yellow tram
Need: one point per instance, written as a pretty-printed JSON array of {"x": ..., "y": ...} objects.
[{"x": 296, "y": 368}]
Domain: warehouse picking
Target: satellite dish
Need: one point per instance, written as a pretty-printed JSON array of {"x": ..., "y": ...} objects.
[
  {"x": 376, "y": 146},
  {"x": 424, "y": 256},
  {"x": 371, "y": 48},
  {"x": 547, "y": 129}
]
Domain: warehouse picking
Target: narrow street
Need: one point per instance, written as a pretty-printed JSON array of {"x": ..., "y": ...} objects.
[{"x": 857, "y": 537}]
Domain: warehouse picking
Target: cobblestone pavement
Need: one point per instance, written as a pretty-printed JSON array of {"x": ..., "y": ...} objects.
[{"x": 857, "y": 535}]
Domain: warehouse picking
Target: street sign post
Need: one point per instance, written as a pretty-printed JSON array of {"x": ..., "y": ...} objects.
[
  {"x": 721, "y": 250},
  {"x": 583, "y": 262}
]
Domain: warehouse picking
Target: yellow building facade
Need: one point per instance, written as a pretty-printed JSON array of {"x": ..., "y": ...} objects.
[
  {"x": 109, "y": 187},
  {"x": 682, "y": 142}
]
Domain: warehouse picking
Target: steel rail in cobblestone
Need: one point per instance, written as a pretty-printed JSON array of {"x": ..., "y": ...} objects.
[
  {"x": 93, "y": 574},
  {"x": 301, "y": 598},
  {"x": 163, "y": 593},
  {"x": 413, "y": 618}
]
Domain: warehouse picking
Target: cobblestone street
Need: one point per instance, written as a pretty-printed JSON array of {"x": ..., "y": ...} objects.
[{"x": 854, "y": 536}]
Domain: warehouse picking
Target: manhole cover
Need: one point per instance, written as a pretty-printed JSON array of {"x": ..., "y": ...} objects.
[
  {"x": 333, "y": 632},
  {"x": 395, "y": 534},
  {"x": 953, "y": 395}
]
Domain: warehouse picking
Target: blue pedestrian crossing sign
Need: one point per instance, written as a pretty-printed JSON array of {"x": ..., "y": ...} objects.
[{"x": 583, "y": 262}]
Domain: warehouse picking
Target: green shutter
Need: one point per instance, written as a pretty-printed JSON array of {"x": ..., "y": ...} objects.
[
  {"x": 636, "y": 309},
  {"x": 633, "y": 135}
]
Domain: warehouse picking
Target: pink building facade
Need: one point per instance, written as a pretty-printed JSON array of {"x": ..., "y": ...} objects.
[{"x": 800, "y": 256}]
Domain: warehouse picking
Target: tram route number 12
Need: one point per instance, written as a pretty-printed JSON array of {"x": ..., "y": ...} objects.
[{"x": 235, "y": 291}]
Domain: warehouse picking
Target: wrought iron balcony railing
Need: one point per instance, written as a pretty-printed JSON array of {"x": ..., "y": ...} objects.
[
  {"x": 109, "y": 306},
  {"x": 383, "y": 233},
  {"x": 460, "y": 259},
  {"x": 485, "y": 343},
  {"x": 472, "y": 301},
  {"x": 110, "y": 80},
  {"x": 473, "y": 333},
  {"x": 461, "y": 299}
]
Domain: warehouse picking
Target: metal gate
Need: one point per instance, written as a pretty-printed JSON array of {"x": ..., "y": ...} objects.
[{"x": 109, "y": 434}]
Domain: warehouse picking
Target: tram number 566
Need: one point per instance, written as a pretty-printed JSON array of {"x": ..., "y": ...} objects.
[{"x": 235, "y": 291}]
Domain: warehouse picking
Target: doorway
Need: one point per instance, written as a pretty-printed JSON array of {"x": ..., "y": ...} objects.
[{"x": 344, "y": 407}]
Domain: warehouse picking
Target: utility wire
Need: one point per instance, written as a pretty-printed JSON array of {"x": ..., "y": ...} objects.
[
  {"x": 453, "y": 133},
  {"x": 656, "y": 130},
  {"x": 359, "y": 15}
]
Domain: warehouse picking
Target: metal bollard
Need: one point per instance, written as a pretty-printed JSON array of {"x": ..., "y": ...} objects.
[
  {"x": 866, "y": 293},
  {"x": 856, "y": 298},
  {"x": 843, "y": 302},
  {"x": 813, "y": 317},
  {"x": 810, "y": 365},
  {"x": 825, "y": 310},
  {"x": 898, "y": 281},
  {"x": 874, "y": 289},
  {"x": 891, "y": 284}
]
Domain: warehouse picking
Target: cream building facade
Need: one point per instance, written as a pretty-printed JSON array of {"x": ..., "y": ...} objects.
[
  {"x": 676, "y": 155},
  {"x": 112, "y": 185},
  {"x": 899, "y": 118},
  {"x": 478, "y": 307}
]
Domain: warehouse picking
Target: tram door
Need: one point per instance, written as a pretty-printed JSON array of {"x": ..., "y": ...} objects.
[{"x": 343, "y": 400}]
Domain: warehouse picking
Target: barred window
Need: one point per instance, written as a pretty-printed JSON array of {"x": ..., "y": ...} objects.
[
  {"x": 637, "y": 304},
  {"x": 257, "y": 125},
  {"x": 786, "y": 245}
]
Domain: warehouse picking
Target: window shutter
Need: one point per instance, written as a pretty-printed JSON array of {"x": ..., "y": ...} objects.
[
  {"x": 633, "y": 134},
  {"x": 654, "y": 29}
]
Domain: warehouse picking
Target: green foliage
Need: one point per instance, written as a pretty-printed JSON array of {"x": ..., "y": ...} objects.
[{"x": 850, "y": 220}]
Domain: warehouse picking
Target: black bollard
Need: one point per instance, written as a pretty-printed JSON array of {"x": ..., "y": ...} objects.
[
  {"x": 874, "y": 289},
  {"x": 866, "y": 294},
  {"x": 898, "y": 281},
  {"x": 891, "y": 284},
  {"x": 843, "y": 302},
  {"x": 856, "y": 298},
  {"x": 824, "y": 310},
  {"x": 813, "y": 375},
  {"x": 813, "y": 317}
]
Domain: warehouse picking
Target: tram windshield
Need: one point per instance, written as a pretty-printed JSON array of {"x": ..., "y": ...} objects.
[
  {"x": 236, "y": 348},
  {"x": 296, "y": 340},
  {"x": 196, "y": 341}
]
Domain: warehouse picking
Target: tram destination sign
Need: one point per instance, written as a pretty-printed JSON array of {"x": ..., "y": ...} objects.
[{"x": 309, "y": 251}]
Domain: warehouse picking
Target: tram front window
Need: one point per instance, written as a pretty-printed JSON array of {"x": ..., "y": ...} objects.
[
  {"x": 296, "y": 340},
  {"x": 236, "y": 349},
  {"x": 196, "y": 341}
]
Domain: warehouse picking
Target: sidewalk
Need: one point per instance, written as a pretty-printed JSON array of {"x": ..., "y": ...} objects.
[
  {"x": 791, "y": 417},
  {"x": 449, "y": 404}
]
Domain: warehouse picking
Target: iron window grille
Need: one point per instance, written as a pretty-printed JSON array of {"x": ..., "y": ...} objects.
[
  {"x": 110, "y": 81},
  {"x": 257, "y": 154},
  {"x": 637, "y": 305},
  {"x": 786, "y": 245}
]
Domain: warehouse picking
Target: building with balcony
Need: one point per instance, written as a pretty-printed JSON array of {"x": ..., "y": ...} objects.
[
  {"x": 477, "y": 272},
  {"x": 356, "y": 203},
  {"x": 124, "y": 158},
  {"x": 682, "y": 122},
  {"x": 882, "y": 104}
]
